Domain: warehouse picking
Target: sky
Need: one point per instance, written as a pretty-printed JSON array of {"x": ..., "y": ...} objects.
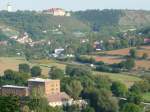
[{"x": 76, "y": 4}]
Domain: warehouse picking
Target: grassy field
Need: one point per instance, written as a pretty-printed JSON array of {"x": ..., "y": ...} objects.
[
  {"x": 10, "y": 63},
  {"x": 13, "y": 62},
  {"x": 126, "y": 79},
  {"x": 146, "y": 97}
]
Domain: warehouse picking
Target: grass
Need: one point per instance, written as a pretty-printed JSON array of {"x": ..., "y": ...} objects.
[
  {"x": 126, "y": 79},
  {"x": 146, "y": 97},
  {"x": 10, "y": 63},
  {"x": 13, "y": 62}
]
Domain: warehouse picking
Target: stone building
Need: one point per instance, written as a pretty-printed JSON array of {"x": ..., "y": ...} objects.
[
  {"x": 14, "y": 90},
  {"x": 37, "y": 86}
]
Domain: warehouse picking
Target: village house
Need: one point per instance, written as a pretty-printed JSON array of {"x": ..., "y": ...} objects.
[
  {"x": 4, "y": 43},
  {"x": 146, "y": 40},
  {"x": 24, "y": 39},
  {"x": 98, "y": 45}
]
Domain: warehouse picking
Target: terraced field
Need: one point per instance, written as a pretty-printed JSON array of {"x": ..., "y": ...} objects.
[{"x": 116, "y": 56}]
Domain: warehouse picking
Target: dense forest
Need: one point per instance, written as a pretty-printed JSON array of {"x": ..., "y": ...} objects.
[{"x": 99, "y": 19}]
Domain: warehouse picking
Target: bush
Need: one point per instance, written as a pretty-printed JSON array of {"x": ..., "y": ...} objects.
[
  {"x": 85, "y": 59},
  {"x": 24, "y": 68},
  {"x": 119, "y": 89},
  {"x": 36, "y": 71},
  {"x": 73, "y": 70},
  {"x": 56, "y": 73}
]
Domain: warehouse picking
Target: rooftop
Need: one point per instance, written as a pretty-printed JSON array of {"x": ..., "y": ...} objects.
[
  {"x": 40, "y": 80},
  {"x": 37, "y": 80},
  {"x": 12, "y": 86}
]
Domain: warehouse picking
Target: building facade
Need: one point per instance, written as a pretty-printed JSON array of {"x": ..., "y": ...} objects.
[
  {"x": 36, "y": 86},
  {"x": 47, "y": 86},
  {"x": 14, "y": 90}
]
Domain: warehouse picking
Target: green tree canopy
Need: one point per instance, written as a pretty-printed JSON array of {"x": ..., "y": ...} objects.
[
  {"x": 103, "y": 101},
  {"x": 9, "y": 104},
  {"x": 130, "y": 107},
  {"x": 73, "y": 70},
  {"x": 133, "y": 53},
  {"x": 36, "y": 71},
  {"x": 56, "y": 73},
  {"x": 119, "y": 89},
  {"x": 74, "y": 88},
  {"x": 24, "y": 68}
]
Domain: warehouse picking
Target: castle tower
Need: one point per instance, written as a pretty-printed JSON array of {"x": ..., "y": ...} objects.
[{"x": 9, "y": 7}]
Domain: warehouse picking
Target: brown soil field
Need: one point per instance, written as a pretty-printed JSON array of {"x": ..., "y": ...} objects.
[
  {"x": 123, "y": 52},
  {"x": 108, "y": 59},
  {"x": 119, "y": 52},
  {"x": 140, "y": 64}
]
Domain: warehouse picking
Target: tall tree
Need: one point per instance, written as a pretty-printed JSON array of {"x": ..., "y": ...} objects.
[
  {"x": 24, "y": 68},
  {"x": 74, "y": 88},
  {"x": 130, "y": 107},
  {"x": 36, "y": 71},
  {"x": 56, "y": 73},
  {"x": 133, "y": 53},
  {"x": 119, "y": 89},
  {"x": 9, "y": 104}
]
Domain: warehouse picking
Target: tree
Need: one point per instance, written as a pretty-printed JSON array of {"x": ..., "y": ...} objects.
[
  {"x": 133, "y": 53},
  {"x": 24, "y": 68},
  {"x": 135, "y": 98},
  {"x": 26, "y": 109},
  {"x": 40, "y": 104},
  {"x": 56, "y": 73},
  {"x": 119, "y": 89},
  {"x": 140, "y": 87},
  {"x": 74, "y": 88},
  {"x": 36, "y": 71},
  {"x": 145, "y": 56},
  {"x": 102, "y": 82},
  {"x": 9, "y": 104},
  {"x": 73, "y": 70},
  {"x": 14, "y": 78},
  {"x": 88, "y": 109},
  {"x": 129, "y": 63},
  {"x": 130, "y": 107},
  {"x": 102, "y": 101}
]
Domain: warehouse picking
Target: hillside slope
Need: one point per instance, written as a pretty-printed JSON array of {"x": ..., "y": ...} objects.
[
  {"x": 35, "y": 24},
  {"x": 135, "y": 19},
  {"x": 123, "y": 19},
  {"x": 39, "y": 25}
]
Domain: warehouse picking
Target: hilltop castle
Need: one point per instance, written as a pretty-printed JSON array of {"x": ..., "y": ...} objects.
[{"x": 57, "y": 12}]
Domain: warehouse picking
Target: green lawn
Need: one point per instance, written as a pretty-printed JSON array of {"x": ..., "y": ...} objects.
[
  {"x": 126, "y": 79},
  {"x": 146, "y": 97}
]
